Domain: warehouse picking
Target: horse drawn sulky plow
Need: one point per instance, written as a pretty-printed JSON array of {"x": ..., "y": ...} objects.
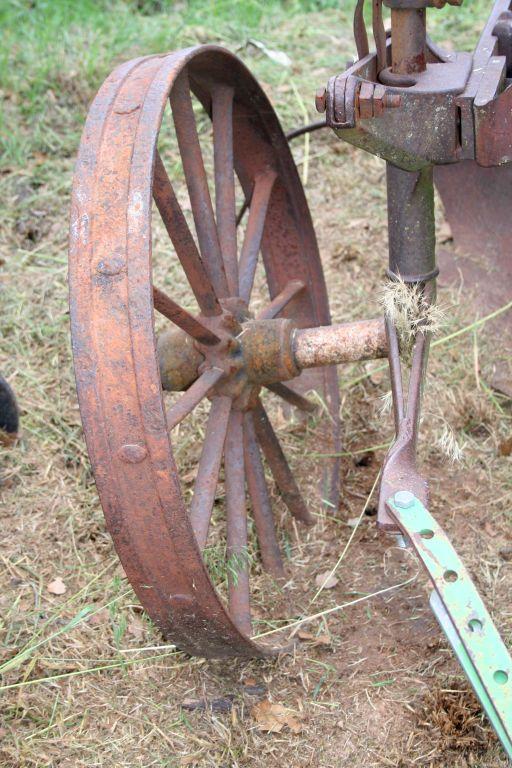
[{"x": 434, "y": 117}]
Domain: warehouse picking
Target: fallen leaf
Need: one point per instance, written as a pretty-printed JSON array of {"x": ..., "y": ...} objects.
[
  {"x": 325, "y": 580},
  {"x": 316, "y": 640},
  {"x": 274, "y": 717},
  {"x": 506, "y": 447},
  {"x": 57, "y": 586}
]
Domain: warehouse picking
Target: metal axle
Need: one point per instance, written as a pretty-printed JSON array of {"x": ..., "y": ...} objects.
[{"x": 269, "y": 351}]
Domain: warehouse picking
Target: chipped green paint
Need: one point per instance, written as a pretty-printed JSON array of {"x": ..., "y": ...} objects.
[{"x": 463, "y": 616}]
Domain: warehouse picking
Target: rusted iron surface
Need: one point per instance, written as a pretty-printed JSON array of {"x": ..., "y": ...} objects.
[
  {"x": 400, "y": 465},
  {"x": 360, "y": 34},
  {"x": 411, "y": 224},
  {"x": 481, "y": 260},
  {"x": 260, "y": 501},
  {"x": 408, "y": 103},
  {"x": 208, "y": 469},
  {"x": 409, "y": 51},
  {"x": 457, "y": 109},
  {"x": 292, "y": 397},
  {"x": 260, "y": 198},
  {"x": 114, "y": 345},
  {"x": 493, "y": 125},
  {"x": 345, "y": 342},
  {"x": 278, "y": 464},
  {"x": 279, "y": 302},
  {"x": 236, "y": 525},
  {"x": 416, "y": 125},
  {"x": 179, "y": 359},
  {"x": 267, "y": 351},
  {"x": 183, "y": 319},
  {"x": 197, "y": 182},
  {"x": 182, "y": 240},
  {"x": 194, "y": 394},
  {"x": 455, "y": 113}
]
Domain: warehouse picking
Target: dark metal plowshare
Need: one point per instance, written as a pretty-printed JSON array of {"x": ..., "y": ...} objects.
[{"x": 432, "y": 116}]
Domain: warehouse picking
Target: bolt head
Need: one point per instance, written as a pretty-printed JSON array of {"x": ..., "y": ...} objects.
[{"x": 404, "y": 499}]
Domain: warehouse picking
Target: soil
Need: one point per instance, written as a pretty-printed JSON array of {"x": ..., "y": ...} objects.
[{"x": 372, "y": 684}]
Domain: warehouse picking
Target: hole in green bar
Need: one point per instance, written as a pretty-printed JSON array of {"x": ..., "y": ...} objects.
[
  {"x": 500, "y": 677},
  {"x": 451, "y": 576},
  {"x": 427, "y": 533},
  {"x": 475, "y": 625}
]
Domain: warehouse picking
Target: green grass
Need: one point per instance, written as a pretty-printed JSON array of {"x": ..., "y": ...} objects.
[{"x": 55, "y": 53}]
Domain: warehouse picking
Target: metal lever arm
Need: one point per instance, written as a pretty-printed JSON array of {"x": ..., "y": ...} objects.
[
  {"x": 400, "y": 466},
  {"x": 460, "y": 612}
]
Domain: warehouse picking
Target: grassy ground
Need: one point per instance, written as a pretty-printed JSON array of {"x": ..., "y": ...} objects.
[{"x": 84, "y": 681}]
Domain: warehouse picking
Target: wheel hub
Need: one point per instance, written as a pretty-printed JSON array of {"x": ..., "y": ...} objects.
[{"x": 251, "y": 353}]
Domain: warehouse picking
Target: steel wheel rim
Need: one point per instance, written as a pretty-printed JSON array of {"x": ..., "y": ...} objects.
[{"x": 111, "y": 312}]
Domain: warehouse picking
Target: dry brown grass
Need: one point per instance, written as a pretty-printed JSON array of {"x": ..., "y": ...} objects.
[{"x": 90, "y": 683}]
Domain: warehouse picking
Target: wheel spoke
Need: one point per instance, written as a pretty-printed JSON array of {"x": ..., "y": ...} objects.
[
  {"x": 187, "y": 322},
  {"x": 263, "y": 186},
  {"x": 292, "y": 397},
  {"x": 208, "y": 470},
  {"x": 225, "y": 203},
  {"x": 280, "y": 301},
  {"x": 182, "y": 239},
  {"x": 236, "y": 522},
  {"x": 197, "y": 184},
  {"x": 260, "y": 500},
  {"x": 193, "y": 396},
  {"x": 279, "y": 466}
]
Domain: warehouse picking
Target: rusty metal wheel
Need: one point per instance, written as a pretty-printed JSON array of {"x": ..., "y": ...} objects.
[{"x": 119, "y": 366}]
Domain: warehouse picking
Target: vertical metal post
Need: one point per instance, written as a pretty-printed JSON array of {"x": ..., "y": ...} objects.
[
  {"x": 411, "y": 224},
  {"x": 408, "y": 40}
]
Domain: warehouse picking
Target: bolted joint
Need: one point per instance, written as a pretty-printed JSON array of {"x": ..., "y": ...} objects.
[
  {"x": 373, "y": 99},
  {"x": 267, "y": 348}
]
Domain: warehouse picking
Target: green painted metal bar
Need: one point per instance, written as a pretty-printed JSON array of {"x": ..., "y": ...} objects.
[
  {"x": 467, "y": 665},
  {"x": 461, "y": 613}
]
